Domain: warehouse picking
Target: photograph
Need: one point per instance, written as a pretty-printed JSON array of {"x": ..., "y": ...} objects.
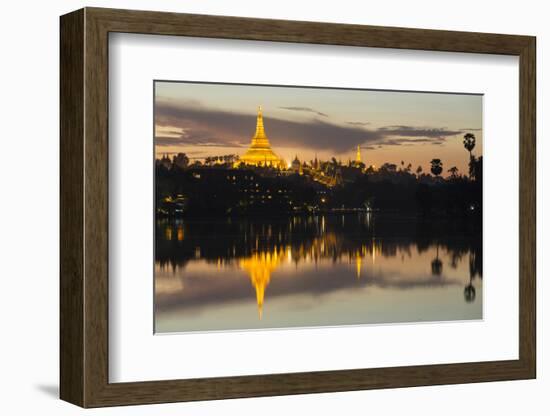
[{"x": 279, "y": 206}]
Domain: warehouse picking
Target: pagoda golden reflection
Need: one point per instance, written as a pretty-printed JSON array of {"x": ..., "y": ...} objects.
[
  {"x": 168, "y": 233},
  {"x": 260, "y": 153},
  {"x": 259, "y": 267}
]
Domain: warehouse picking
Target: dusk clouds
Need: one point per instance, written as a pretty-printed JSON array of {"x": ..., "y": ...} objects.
[
  {"x": 189, "y": 124},
  {"x": 305, "y": 109}
]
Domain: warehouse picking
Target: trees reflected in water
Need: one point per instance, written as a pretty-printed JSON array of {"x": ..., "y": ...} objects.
[{"x": 258, "y": 246}]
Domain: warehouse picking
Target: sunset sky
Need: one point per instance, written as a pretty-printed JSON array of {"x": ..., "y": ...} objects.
[{"x": 218, "y": 119}]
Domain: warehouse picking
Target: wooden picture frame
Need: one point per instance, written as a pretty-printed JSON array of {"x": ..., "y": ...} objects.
[{"x": 84, "y": 207}]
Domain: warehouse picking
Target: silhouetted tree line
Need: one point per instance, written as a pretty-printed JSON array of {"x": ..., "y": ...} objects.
[{"x": 219, "y": 189}]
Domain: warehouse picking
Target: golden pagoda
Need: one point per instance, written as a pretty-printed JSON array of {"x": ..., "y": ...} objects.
[{"x": 259, "y": 153}]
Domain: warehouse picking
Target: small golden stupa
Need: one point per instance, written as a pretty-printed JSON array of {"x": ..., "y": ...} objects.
[{"x": 259, "y": 153}]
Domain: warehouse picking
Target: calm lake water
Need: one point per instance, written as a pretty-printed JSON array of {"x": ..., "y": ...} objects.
[{"x": 304, "y": 271}]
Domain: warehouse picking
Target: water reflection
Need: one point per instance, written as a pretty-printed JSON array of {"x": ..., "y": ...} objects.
[
  {"x": 259, "y": 267},
  {"x": 314, "y": 270}
]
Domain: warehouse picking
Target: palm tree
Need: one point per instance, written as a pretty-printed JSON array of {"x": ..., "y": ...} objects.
[
  {"x": 388, "y": 167},
  {"x": 454, "y": 172},
  {"x": 437, "y": 167},
  {"x": 469, "y": 142}
]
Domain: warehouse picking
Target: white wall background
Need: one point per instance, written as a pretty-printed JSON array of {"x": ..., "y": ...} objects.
[{"x": 29, "y": 209}]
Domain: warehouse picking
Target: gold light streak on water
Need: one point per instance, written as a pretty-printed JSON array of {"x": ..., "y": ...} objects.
[
  {"x": 358, "y": 261},
  {"x": 262, "y": 264},
  {"x": 375, "y": 249},
  {"x": 259, "y": 268}
]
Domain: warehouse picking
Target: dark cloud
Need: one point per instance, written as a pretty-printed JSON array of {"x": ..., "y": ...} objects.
[
  {"x": 392, "y": 142},
  {"x": 306, "y": 109},
  {"x": 172, "y": 133},
  {"x": 427, "y": 133},
  {"x": 203, "y": 126},
  {"x": 401, "y": 141},
  {"x": 358, "y": 123},
  {"x": 200, "y": 139},
  {"x": 397, "y": 127}
]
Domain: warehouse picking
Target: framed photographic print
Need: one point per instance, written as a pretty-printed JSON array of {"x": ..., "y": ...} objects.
[{"x": 256, "y": 207}]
